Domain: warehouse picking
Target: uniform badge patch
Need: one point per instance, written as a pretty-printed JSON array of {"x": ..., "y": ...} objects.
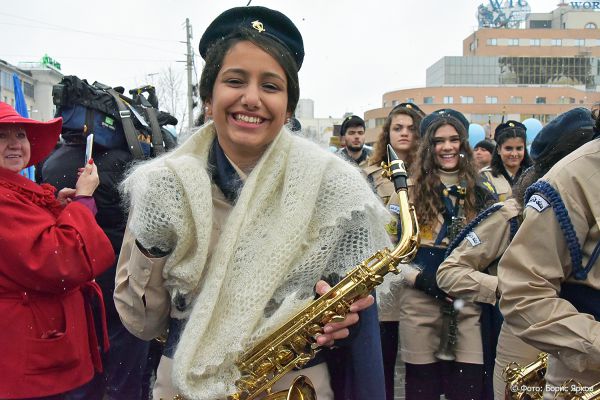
[
  {"x": 394, "y": 208},
  {"x": 473, "y": 239},
  {"x": 538, "y": 203}
]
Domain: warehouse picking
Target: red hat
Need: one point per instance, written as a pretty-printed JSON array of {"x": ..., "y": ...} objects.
[{"x": 42, "y": 136}]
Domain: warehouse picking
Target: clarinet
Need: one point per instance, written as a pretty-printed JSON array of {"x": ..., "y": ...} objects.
[{"x": 449, "y": 335}]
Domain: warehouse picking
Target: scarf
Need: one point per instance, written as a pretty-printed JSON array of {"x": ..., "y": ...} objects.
[
  {"x": 302, "y": 213},
  {"x": 43, "y": 195}
]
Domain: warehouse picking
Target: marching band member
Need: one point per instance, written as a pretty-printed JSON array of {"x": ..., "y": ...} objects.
[
  {"x": 448, "y": 195},
  {"x": 469, "y": 271},
  {"x": 510, "y": 158},
  {"x": 401, "y": 131},
  {"x": 229, "y": 233},
  {"x": 549, "y": 276}
]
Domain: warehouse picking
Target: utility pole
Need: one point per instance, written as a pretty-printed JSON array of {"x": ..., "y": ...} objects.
[{"x": 189, "y": 66}]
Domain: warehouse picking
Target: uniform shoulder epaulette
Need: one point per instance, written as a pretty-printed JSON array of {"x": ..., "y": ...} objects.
[{"x": 540, "y": 196}]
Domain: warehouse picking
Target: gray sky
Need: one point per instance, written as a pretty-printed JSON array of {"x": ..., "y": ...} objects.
[{"x": 355, "y": 50}]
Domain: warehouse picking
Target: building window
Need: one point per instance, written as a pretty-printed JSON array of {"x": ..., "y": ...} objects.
[
  {"x": 556, "y": 42},
  {"x": 516, "y": 100},
  {"x": 513, "y": 42},
  {"x": 410, "y": 100},
  {"x": 428, "y": 100},
  {"x": 491, "y": 100},
  {"x": 590, "y": 25},
  {"x": 492, "y": 42},
  {"x": 395, "y": 103},
  {"x": 28, "y": 89},
  {"x": 473, "y": 46},
  {"x": 448, "y": 99},
  {"x": 380, "y": 121},
  {"x": 540, "y": 100},
  {"x": 466, "y": 99},
  {"x": 580, "y": 42},
  {"x": 534, "y": 42}
]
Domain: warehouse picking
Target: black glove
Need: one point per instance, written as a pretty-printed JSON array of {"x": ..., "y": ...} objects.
[{"x": 427, "y": 283}]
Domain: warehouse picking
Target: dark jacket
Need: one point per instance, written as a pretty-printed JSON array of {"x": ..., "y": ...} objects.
[{"x": 60, "y": 170}]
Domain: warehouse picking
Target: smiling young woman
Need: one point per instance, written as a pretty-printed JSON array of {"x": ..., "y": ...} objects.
[
  {"x": 231, "y": 232},
  {"x": 509, "y": 159},
  {"x": 446, "y": 193}
]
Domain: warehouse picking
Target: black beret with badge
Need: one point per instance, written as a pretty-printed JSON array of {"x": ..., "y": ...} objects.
[
  {"x": 443, "y": 113},
  {"x": 352, "y": 120},
  {"x": 509, "y": 126},
  {"x": 264, "y": 20},
  {"x": 410, "y": 107},
  {"x": 562, "y": 128}
]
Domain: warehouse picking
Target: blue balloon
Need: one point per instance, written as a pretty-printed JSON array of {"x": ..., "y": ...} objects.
[
  {"x": 534, "y": 126},
  {"x": 476, "y": 134}
]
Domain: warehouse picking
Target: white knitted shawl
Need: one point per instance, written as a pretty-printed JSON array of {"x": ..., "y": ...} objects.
[{"x": 302, "y": 213}]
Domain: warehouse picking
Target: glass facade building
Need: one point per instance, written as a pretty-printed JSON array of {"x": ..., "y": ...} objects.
[{"x": 507, "y": 70}]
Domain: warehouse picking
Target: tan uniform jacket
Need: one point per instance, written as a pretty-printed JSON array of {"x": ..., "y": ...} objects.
[
  {"x": 500, "y": 184},
  {"x": 538, "y": 261},
  {"x": 460, "y": 276},
  {"x": 144, "y": 304},
  {"x": 420, "y": 314},
  {"x": 384, "y": 188}
]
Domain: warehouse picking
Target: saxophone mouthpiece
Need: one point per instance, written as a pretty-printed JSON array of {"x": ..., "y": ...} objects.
[{"x": 397, "y": 171}]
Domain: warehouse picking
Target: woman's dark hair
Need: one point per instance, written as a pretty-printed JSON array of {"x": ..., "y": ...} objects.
[
  {"x": 545, "y": 162},
  {"x": 497, "y": 165},
  {"x": 425, "y": 171},
  {"x": 217, "y": 52},
  {"x": 380, "y": 147}
]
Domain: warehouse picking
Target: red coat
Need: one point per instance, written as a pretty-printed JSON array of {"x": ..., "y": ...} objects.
[{"x": 48, "y": 257}]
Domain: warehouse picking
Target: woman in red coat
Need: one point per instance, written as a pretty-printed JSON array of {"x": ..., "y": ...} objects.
[{"x": 51, "y": 251}]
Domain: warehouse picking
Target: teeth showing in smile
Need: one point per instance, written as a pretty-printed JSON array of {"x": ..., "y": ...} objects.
[
  {"x": 247, "y": 118},
  {"x": 447, "y": 155}
]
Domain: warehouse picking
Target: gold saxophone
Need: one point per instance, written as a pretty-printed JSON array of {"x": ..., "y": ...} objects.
[
  {"x": 573, "y": 390},
  {"x": 293, "y": 344},
  {"x": 528, "y": 382}
]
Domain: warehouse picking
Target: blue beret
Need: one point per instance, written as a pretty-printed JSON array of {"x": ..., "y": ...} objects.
[
  {"x": 444, "y": 112},
  {"x": 561, "y": 128},
  {"x": 268, "y": 22},
  {"x": 509, "y": 126},
  {"x": 352, "y": 120}
]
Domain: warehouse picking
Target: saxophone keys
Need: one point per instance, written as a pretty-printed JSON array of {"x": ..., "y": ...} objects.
[{"x": 331, "y": 316}]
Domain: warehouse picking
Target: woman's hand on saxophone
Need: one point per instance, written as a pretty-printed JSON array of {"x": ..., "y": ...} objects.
[{"x": 339, "y": 330}]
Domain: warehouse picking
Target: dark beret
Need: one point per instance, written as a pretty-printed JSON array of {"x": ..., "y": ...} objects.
[
  {"x": 444, "y": 112},
  {"x": 509, "y": 126},
  {"x": 266, "y": 21},
  {"x": 294, "y": 125},
  {"x": 486, "y": 145},
  {"x": 352, "y": 120},
  {"x": 410, "y": 107},
  {"x": 561, "y": 128}
]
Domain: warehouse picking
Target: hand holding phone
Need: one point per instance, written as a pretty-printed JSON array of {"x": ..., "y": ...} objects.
[{"x": 88, "y": 147}]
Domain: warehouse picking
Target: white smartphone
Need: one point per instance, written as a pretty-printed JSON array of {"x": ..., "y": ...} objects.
[{"x": 88, "y": 147}]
